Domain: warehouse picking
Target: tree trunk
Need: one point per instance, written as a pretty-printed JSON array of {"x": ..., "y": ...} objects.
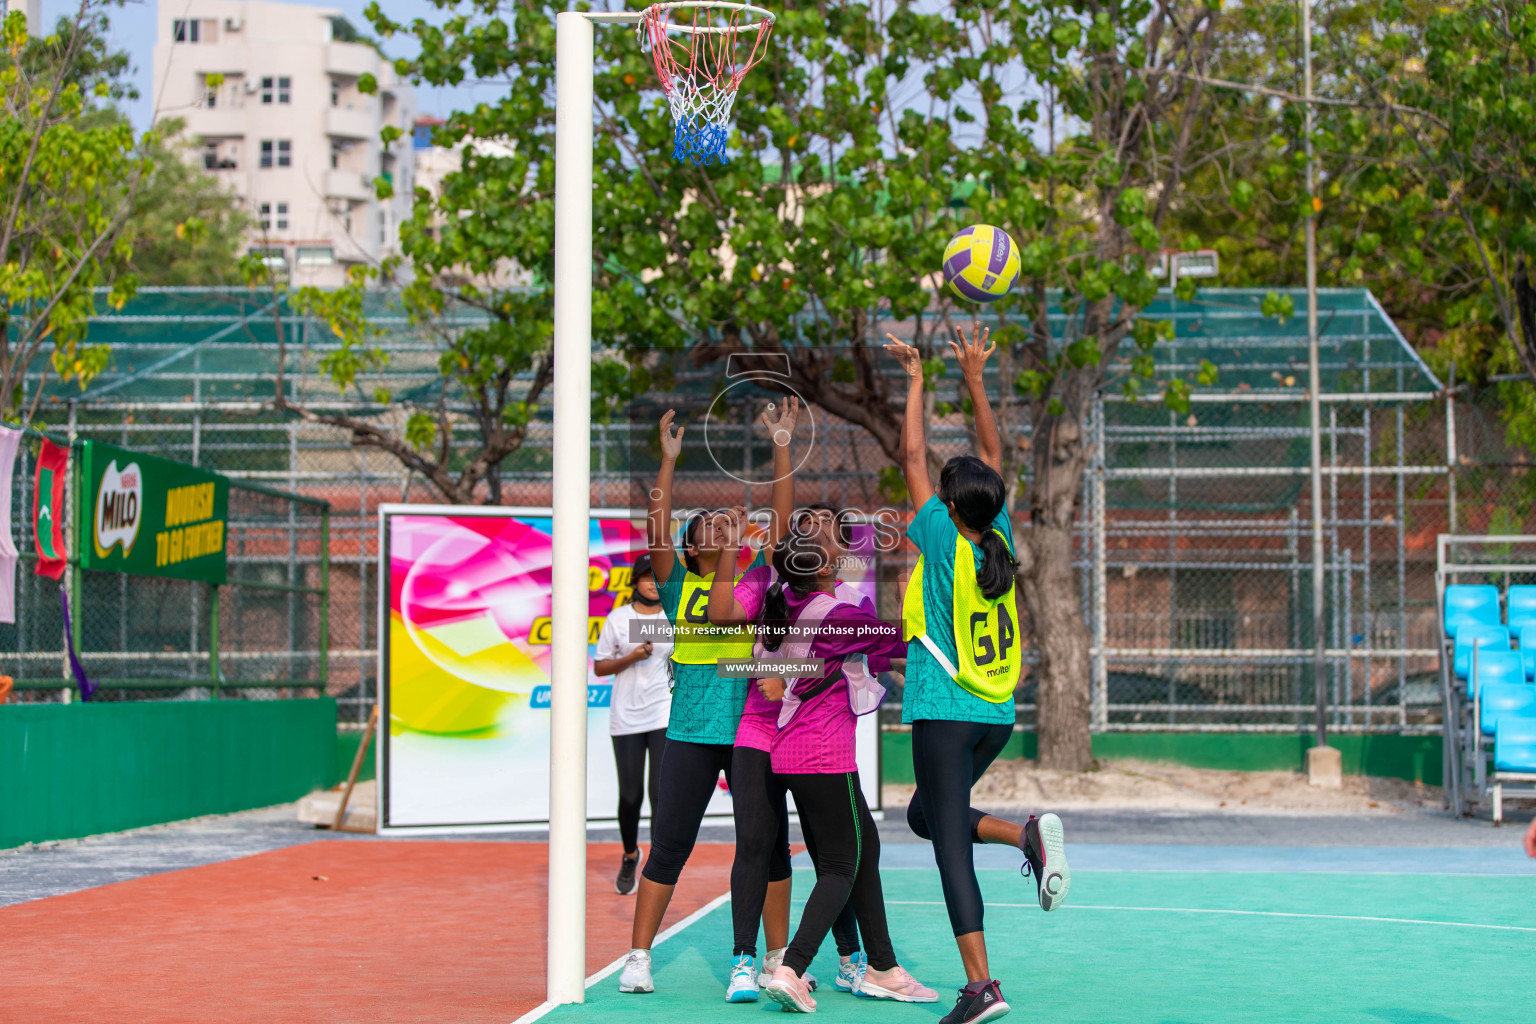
[{"x": 1062, "y": 640}]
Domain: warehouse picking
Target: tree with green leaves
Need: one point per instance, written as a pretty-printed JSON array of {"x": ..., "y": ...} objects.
[
  {"x": 68, "y": 182},
  {"x": 186, "y": 227},
  {"x": 869, "y": 133}
]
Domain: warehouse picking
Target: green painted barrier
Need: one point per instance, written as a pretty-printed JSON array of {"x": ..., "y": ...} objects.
[
  {"x": 1415, "y": 758},
  {"x": 69, "y": 770}
]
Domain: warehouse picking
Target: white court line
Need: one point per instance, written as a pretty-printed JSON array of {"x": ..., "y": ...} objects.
[
  {"x": 544, "y": 1007},
  {"x": 1245, "y": 913}
]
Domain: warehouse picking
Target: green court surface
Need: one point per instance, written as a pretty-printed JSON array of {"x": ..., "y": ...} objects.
[{"x": 1165, "y": 947}]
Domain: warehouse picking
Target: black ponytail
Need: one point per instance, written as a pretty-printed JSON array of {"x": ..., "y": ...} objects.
[
  {"x": 976, "y": 492},
  {"x": 798, "y": 560}
]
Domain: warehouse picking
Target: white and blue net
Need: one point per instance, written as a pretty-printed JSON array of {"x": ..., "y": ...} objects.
[{"x": 694, "y": 47}]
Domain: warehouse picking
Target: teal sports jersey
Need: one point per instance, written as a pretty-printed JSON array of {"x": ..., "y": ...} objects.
[
  {"x": 705, "y": 708},
  {"x": 930, "y": 693}
]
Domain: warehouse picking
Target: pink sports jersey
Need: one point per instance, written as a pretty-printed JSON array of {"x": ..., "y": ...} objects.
[
  {"x": 819, "y": 738},
  {"x": 760, "y": 718}
]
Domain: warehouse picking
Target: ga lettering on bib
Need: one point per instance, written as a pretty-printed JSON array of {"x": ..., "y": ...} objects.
[
  {"x": 986, "y": 634},
  {"x": 695, "y": 641}
]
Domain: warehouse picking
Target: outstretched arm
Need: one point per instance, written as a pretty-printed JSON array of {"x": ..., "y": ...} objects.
[
  {"x": 781, "y": 427},
  {"x": 972, "y": 356},
  {"x": 724, "y": 609},
  {"x": 658, "y": 505},
  {"x": 914, "y": 453}
]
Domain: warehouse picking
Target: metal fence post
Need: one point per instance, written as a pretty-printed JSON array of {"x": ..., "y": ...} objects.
[
  {"x": 325, "y": 597},
  {"x": 213, "y": 641},
  {"x": 1099, "y": 698}
]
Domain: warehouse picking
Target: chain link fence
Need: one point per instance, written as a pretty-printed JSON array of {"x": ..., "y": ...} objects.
[
  {"x": 1193, "y": 536},
  {"x": 260, "y": 636}
]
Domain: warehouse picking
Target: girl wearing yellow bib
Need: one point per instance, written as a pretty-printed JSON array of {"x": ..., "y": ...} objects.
[
  {"x": 706, "y": 708},
  {"x": 964, "y": 659}
]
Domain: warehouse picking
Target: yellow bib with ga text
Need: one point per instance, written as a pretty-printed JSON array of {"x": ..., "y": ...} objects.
[
  {"x": 986, "y": 633},
  {"x": 694, "y": 640}
]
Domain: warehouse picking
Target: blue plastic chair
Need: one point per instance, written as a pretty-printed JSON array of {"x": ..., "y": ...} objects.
[
  {"x": 1521, "y": 608},
  {"x": 1514, "y": 744},
  {"x": 1471, "y": 603},
  {"x": 1528, "y": 649},
  {"x": 1479, "y": 635},
  {"x": 1497, "y": 666},
  {"x": 1497, "y": 700}
]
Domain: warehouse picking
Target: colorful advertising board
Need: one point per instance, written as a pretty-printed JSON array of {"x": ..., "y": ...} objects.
[
  {"x": 152, "y": 516},
  {"x": 464, "y": 667}
]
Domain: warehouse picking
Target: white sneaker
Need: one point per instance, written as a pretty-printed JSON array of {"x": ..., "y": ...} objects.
[
  {"x": 743, "y": 985},
  {"x": 771, "y": 963},
  {"x": 850, "y": 972},
  {"x": 636, "y": 976}
]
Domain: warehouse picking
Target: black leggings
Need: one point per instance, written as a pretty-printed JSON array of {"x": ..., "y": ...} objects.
[
  {"x": 847, "y": 868},
  {"x": 629, "y": 757},
  {"x": 688, "y": 773},
  {"x": 762, "y": 850},
  {"x": 947, "y": 759}
]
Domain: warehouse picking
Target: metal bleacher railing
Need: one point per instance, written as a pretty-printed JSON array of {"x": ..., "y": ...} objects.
[{"x": 1490, "y": 698}]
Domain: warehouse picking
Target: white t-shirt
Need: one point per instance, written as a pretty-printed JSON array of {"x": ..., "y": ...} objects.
[{"x": 642, "y": 693}]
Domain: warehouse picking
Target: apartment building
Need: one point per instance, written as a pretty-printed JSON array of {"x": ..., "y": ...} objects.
[{"x": 269, "y": 92}]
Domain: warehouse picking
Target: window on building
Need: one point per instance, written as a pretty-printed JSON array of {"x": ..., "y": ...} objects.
[
  {"x": 186, "y": 31},
  {"x": 282, "y": 216},
  {"x": 219, "y": 157},
  {"x": 335, "y": 154},
  {"x": 210, "y": 94},
  {"x": 270, "y": 255},
  {"x": 315, "y": 256},
  {"x": 275, "y": 90},
  {"x": 335, "y": 93},
  {"x": 276, "y": 153}
]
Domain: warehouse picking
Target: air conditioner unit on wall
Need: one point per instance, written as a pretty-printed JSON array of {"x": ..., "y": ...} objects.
[{"x": 233, "y": 24}]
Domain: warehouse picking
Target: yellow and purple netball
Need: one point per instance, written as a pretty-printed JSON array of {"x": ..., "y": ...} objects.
[{"x": 981, "y": 263}]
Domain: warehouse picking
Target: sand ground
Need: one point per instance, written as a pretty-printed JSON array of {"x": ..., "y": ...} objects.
[{"x": 1156, "y": 786}]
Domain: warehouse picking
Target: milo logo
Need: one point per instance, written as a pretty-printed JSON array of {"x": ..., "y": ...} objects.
[{"x": 119, "y": 508}]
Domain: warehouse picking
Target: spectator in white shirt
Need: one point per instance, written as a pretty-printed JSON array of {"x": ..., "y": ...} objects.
[{"x": 641, "y": 704}]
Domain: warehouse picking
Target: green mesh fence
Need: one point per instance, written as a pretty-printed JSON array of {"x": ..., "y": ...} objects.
[{"x": 1193, "y": 540}]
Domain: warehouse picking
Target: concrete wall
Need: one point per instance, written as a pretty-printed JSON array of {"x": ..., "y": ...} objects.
[{"x": 80, "y": 769}]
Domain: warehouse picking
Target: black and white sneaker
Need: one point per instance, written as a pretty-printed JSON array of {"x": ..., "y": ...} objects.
[
  {"x": 979, "y": 1001},
  {"x": 625, "y": 883},
  {"x": 1045, "y": 857}
]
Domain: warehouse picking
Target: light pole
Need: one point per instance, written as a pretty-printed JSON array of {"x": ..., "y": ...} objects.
[{"x": 1324, "y": 767}]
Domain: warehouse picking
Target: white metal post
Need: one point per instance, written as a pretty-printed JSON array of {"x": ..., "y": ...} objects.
[
  {"x": 1314, "y": 387},
  {"x": 565, "y": 982}
]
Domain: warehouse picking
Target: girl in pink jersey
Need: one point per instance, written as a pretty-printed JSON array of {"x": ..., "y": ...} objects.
[
  {"x": 758, "y": 801},
  {"x": 813, "y": 751}
]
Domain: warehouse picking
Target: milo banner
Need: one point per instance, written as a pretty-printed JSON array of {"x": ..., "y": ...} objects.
[{"x": 151, "y": 516}]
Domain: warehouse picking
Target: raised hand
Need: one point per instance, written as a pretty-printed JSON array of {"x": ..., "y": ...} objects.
[
  {"x": 972, "y": 355},
  {"x": 780, "y": 420},
  {"x": 730, "y": 524},
  {"x": 911, "y": 360},
  {"x": 671, "y": 444}
]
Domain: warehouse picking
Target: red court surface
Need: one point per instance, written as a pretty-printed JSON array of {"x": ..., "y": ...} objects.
[{"x": 396, "y": 931}]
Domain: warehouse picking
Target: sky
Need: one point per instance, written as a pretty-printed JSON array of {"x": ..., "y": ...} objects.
[{"x": 133, "y": 30}]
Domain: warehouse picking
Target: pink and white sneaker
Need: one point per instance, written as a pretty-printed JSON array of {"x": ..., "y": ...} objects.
[
  {"x": 895, "y": 984},
  {"x": 790, "y": 991}
]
